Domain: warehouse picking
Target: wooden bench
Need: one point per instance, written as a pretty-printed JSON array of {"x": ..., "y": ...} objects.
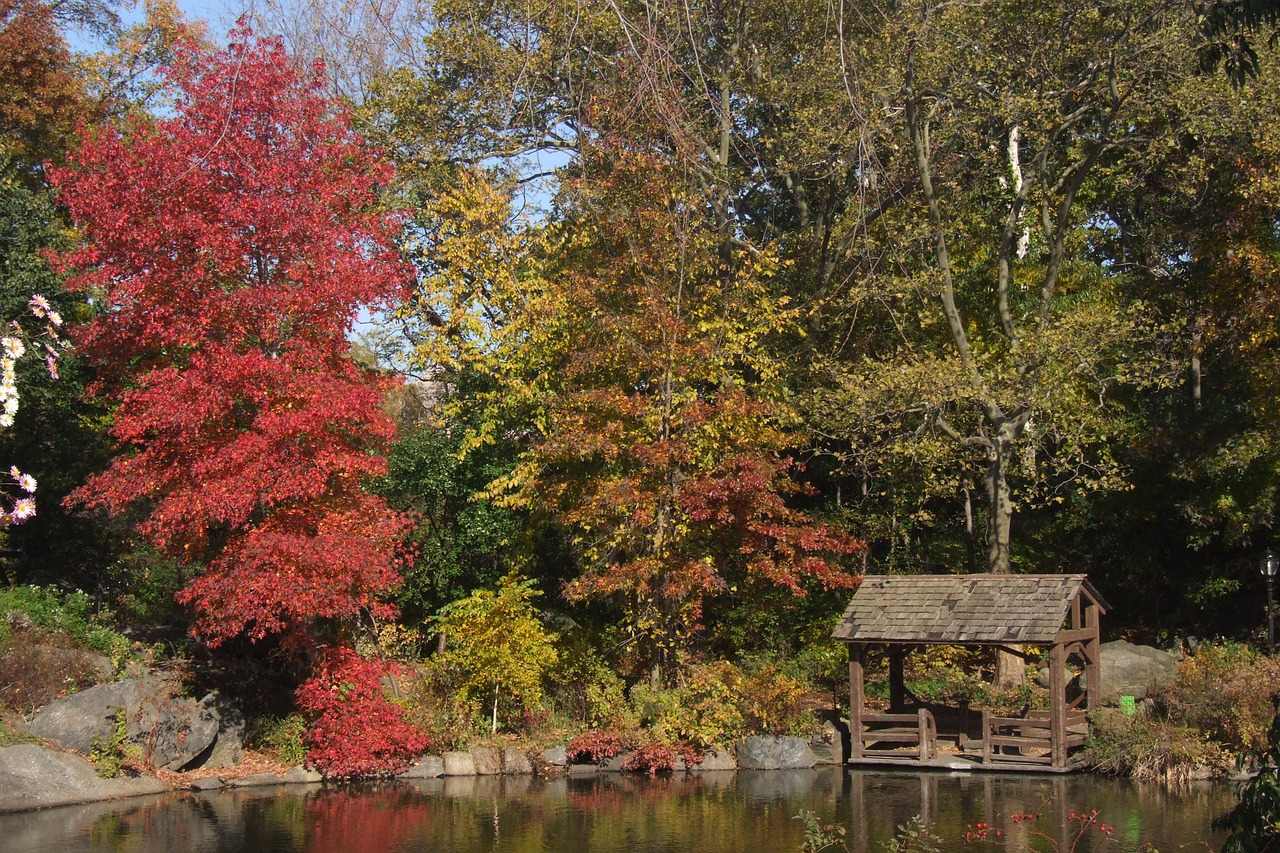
[{"x": 919, "y": 730}]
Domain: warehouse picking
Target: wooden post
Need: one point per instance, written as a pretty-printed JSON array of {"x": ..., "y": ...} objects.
[
  {"x": 897, "y": 688},
  {"x": 855, "y": 701},
  {"x": 923, "y": 726},
  {"x": 986, "y": 736},
  {"x": 1093, "y": 660},
  {"x": 1057, "y": 705}
]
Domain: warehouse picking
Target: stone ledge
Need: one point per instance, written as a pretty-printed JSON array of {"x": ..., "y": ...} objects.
[{"x": 32, "y": 777}]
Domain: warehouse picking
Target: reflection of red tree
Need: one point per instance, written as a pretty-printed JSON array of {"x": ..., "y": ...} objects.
[{"x": 364, "y": 821}]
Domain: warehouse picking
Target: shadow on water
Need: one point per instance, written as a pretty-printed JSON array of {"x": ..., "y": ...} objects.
[{"x": 710, "y": 813}]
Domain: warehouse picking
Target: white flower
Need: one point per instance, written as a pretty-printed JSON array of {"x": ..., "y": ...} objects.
[
  {"x": 27, "y": 483},
  {"x": 6, "y": 420},
  {"x": 23, "y": 509},
  {"x": 13, "y": 347}
]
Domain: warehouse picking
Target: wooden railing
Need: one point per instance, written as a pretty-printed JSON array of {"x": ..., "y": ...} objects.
[
  {"x": 1027, "y": 740},
  {"x": 919, "y": 730}
]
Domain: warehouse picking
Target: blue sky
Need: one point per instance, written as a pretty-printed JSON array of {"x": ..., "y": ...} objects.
[{"x": 218, "y": 15}]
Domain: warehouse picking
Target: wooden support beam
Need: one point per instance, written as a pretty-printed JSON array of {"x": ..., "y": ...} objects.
[
  {"x": 1057, "y": 705},
  {"x": 897, "y": 685},
  {"x": 855, "y": 700},
  {"x": 986, "y": 736}
]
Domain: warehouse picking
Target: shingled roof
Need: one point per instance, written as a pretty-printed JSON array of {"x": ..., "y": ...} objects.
[{"x": 983, "y": 608}]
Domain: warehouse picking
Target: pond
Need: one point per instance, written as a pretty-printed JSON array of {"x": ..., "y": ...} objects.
[{"x": 708, "y": 813}]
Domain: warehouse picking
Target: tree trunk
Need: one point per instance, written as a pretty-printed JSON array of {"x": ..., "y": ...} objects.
[
  {"x": 999, "y": 506},
  {"x": 1010, "y": 669},
  {"x": 494, "y": 728}
]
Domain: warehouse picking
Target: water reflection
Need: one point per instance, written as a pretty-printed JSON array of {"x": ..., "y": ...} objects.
[{"x": 711, "y": 813}]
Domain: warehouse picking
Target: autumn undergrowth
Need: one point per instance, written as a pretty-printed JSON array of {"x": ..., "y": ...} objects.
[
  {"x": 36, "y": 619},
  {"x": 1214, "y": 710},
  {"x": 68, "y": 617},
  {"x": 280, "y": 737}
]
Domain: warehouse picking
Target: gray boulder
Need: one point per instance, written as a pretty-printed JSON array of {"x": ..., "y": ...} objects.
[
  {"x": 715, "y": 760},
  {"x": 459, "y": 764},
  {"x": 173, "y": 730},
  {"x": 74, "y": 722},
  {"x": 32, "y": 777},
  {"x": 777, "y": 752},
  {"x": 227, "y": 749},
  {"x": 1139, "y": 671},
  {"x": 255, "y": 781},
  {"x": 515, "y": 762},
  {"x": 488, "y": 761},
  {"x": 300, "y": 775},
  {"x": 427, "y": 767},
  {"x": 556, "y": 756}
]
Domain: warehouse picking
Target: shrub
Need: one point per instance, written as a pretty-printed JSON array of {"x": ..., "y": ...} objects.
[
  {"x": 497, "y": 649},
  {"x": 718, "y": 702},
  {"x": 702, "y": 712},
  {"x": 652, "y": 757},
  {"x": 31, "y": 677},
  {"x": 1148, "y": 748},
  {"x": 355, "y": 731},
  {"x": 115, "y": 752},
  {"x": 1254, "y": 823},
  {"x": 438, "y": 709},
  {"x": 587, "y": 690},
  {"x": 1218, "y": 692},
  {"x": 282, "y": 737},
  {"x": 70, "y": 614},
  {"x": 595, "y": 747},
  {"x": 819, "y": 838},
  {"x": 772, "y": 702}
]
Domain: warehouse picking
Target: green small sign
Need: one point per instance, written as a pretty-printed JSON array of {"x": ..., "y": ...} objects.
[{"x": 1127, "y": 706}]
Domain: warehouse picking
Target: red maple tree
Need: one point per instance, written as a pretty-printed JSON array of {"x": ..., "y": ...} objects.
[{"x": 229, "y": 248}]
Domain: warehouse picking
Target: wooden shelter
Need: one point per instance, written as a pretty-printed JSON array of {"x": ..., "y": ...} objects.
[{"x": 901, "y": 612}]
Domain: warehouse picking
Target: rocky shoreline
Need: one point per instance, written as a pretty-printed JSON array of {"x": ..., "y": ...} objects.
[
  {"x": 186, "y": 744},
  {"x": 37, "y": 777}
]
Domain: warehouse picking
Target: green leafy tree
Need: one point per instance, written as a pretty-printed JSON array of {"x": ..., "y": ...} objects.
[
  {"x": 463, "y": 540},
  {"x": 497, "y": 651}
]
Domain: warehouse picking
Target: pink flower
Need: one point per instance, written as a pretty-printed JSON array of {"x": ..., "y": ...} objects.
[
  {"x": 39, "y": 305},
  {"x": 23, "y": 509},
  {"x": 27, "y": 483}
]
